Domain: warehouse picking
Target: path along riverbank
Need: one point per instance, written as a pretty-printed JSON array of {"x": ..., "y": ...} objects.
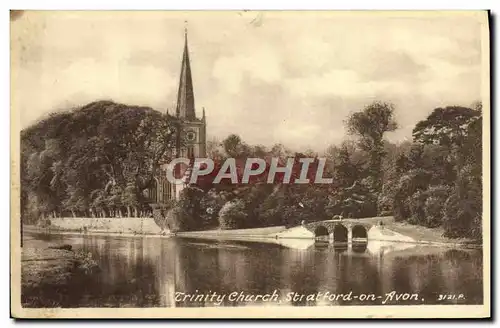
[{"x": 383, "y": 228}]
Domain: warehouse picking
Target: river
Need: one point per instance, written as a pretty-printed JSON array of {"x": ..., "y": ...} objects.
[{"x": 168, "y": 272}]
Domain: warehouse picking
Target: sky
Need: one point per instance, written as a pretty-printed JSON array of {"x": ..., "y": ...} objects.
[{"x": 271, "y": 77}]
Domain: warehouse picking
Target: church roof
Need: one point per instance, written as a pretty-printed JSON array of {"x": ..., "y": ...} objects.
[{"x": 185, "y": 97}]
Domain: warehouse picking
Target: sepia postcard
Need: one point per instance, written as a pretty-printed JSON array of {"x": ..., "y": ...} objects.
[{"x": 250, "y": 164}]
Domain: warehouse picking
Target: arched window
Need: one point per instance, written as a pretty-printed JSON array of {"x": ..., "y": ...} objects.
[
  {"x": 190, "y": 152},
  {"x": 167, "y": 190},
  {"x": 153, "y": 194}
]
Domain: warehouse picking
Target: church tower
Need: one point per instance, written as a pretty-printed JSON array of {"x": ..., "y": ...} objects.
[{"x": 192, "y": 132}]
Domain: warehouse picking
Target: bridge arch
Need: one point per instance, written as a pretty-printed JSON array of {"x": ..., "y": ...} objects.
[
  {"x": 340, "y": 233},
  {"x": 359, "y": 232},
  {"x": 321, "y": 231}
]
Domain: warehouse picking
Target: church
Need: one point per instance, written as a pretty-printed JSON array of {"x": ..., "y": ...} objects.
[{"x": 192, "y": 131}]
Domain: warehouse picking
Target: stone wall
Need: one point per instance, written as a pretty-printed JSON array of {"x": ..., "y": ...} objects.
[{"x": 110, "y": 225}]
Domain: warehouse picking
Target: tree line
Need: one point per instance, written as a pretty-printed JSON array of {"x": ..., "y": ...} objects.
[
  {"x": 100, "y": 159},
  {"x": 435, "y": 180}
]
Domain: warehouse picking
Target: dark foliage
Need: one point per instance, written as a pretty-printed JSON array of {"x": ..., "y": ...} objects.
[{"x": 97, "y": 160}]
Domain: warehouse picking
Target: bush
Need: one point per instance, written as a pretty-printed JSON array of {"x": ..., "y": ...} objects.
[
  {"x": 356, "y": 201},
  {"x": 408, "y": 185},
  {"x": 173, "y": 220},
  {"x": 233, "y": 215},
  {"x": 426, "y": 207},
  {"x": 210, "y": 205},
  {"x": 188, "y": 210},
  {"x": 400, "y": 204},
  {"x": 434, "y": 205},
  {"x": 384, "y": 202},
  {"x": 463, "y": 208},
  {"x": 160, "y": 212},
  {"x": 416, "y": 205}
]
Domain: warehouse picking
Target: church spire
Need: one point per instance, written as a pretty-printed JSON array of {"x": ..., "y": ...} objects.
[{"x": 185, "y": 96}]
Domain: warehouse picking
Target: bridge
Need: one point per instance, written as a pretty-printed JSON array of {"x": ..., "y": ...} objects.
[{"x": 341, "y": 230}]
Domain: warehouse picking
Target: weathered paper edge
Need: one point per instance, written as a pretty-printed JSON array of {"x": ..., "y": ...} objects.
[{"x": 392, "y": 311}]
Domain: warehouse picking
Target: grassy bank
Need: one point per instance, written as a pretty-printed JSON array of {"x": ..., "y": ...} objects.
[
  {"x": 418, "y": 233},
  {"x": 48, "y": 270}
]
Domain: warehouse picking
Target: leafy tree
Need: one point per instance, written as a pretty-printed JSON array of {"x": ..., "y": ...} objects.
[
  {"x": 449, "y": 127},
  {"x": 130, "y": 199},
  {"x": 93, "y": 160},
  {"x": 215, "y": 151},
  {"x": 347, "y": 171},
  {"x": 454, "y": 138},
  {"x": 210, "y": 205},
  {"x": 407, "y": 186},
  {"x": 233, "y": 215},
  {"x": 434, "y": 205},
  {"x": 271, "y": 211},
  {"x": 426, "y": 206},
  {"x": 189, "y": 205},
  {"x": 463, "y": 209},
  {"x": 446, "y": 126},
  {"x": 355, "y": 201},
  {"x": 370, "y": 125},
  {"x": 99, "y": 204},
  {"x": 235, "y": 147}
]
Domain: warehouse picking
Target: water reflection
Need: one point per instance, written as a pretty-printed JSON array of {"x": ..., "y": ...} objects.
[
  {"x": 359, "y": 247},
  {"x": 148, "y": 272}
]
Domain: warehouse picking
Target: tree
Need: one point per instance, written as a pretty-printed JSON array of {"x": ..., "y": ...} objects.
[
  {"x": 215, "y": 151},
  {"x": 235, "y": 147},
  {"x": 445, "y": 126},
  {"x": 426, "y": 206},
  {"x": 355, "y": 201},
  {"x": 346, "y": 170},
  {"x": 434, "y": 205},
  {"x": 410, "y": 183},
  {"x": 99, "y": 157},
  {"x": 189, "y": 209},
  {"x": 453, "y": 136},
  {"x": 370, "y": 125},
  {"x": 210, "y": 205},
  {"x": 130, "y": 199},
  {"x": 463, "y": 209},
  {"x": 233, "y": 215}
]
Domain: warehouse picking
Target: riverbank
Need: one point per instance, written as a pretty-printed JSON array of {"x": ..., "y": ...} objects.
[
  {"x": 129, "y": 225},
  {"x": 48, "y": 270},
  {"x": 383, "y": 228},
  {"x": 423, "y": 235},
  {"x": 247, "y": 234},
  {"x": 390, "y": 231},
  {"x": 30, "y": 229}
]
